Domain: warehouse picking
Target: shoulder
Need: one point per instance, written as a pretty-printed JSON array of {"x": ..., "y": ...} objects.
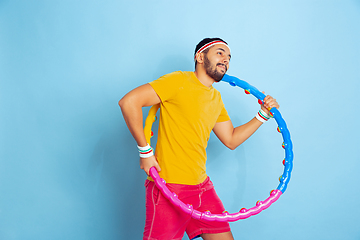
[
  {"x": 168, "y": 86},
  {"x": 176, "y": 74},
  {"x": 216, "y": 92},
  {"x": 176, "y": 78}
]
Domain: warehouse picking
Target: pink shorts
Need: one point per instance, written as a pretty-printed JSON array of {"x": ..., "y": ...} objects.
[{"x": 164, "y": 221}]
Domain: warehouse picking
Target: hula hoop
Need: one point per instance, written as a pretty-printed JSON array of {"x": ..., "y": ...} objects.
[{"x": 243, "y": 213}]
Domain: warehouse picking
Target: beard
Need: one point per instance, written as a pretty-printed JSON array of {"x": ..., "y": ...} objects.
[{"x": 212, "y": 71}]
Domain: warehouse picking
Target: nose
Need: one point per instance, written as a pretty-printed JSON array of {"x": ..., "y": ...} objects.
[{"x": 226, "y": 60}]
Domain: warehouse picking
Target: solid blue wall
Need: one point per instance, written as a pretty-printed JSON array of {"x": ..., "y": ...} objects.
[{"x": 69, "y": 166}]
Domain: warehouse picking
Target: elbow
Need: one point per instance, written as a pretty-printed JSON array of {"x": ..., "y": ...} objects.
[
  {"x": 229, "y": 143},
  {"x": 128, "y": 104},
  {"x": 231, "y": 147},
  {"x": 122, "y": 103}
]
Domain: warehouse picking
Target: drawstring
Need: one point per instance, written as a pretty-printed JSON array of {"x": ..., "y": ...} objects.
[
  {"x": 157, "y": 200},
  {"x": 200, "y": 195}
]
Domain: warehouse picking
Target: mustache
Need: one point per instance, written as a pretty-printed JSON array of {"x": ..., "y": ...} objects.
[{"x": 221, "y": 64}]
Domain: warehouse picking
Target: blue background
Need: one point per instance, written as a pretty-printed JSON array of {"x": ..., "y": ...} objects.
[{"x": 69, "y": 166}]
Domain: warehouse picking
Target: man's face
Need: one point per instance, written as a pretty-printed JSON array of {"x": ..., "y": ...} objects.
[{"x": 216, "y": 61}]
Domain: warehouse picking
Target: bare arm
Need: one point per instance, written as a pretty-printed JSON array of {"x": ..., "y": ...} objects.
[
  {"x": 131, "y": 106},
  {"x": 233, "y": 137}
]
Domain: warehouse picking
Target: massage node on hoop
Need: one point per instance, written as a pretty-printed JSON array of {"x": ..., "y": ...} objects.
[{"x": 260, "y": 205}]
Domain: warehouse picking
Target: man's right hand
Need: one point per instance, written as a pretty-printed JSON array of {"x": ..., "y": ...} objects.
[{"x": 147, "y": 163}]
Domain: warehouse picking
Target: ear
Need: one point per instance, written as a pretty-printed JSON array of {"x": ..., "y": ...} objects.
[{"x": 200, "y": 57}]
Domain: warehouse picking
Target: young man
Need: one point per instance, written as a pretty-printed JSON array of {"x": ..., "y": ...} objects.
[{"x": 190, "y": 108}]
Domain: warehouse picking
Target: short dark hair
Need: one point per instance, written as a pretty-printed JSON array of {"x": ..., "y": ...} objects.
[{"x": 203, "y": 43}]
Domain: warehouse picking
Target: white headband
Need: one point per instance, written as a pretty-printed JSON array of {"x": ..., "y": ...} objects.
[{"x": 210, "y": 44}]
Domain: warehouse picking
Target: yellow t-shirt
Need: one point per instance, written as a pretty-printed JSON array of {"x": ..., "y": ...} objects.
[{"x": 188, "y": 113}]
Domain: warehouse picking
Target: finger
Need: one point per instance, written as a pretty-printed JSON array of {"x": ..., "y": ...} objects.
[
  {"x": 267, "y": 104},
  {"x": 273, "y": 102},
  {"x": 269, "y": 100},
  {"x": 274, "y": 105},
  {"x": 158, "y": 168},
  {"x": 148, "y": 170}
]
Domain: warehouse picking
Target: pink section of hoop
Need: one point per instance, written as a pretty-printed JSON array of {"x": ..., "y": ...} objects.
[{"x": 224, "y": 217}]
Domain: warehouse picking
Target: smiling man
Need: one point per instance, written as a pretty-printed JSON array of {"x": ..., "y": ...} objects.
[{"x": 190, "y": 108}]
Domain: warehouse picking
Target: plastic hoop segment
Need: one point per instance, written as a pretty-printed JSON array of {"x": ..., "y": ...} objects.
[
  {"x": 282, "y": 128},
  {"x": 243, "y": 213}
]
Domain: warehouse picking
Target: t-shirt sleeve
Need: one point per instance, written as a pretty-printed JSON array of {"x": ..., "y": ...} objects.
[
  {"x": 224, "y": 116},
  {"x": 167, "y": 86}
]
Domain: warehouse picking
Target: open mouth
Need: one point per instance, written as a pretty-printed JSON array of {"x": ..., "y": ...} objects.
[{"x": 222, "y": 66}]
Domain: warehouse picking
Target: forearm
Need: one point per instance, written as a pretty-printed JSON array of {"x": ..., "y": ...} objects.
[
  {"x": 131, "y": 107},
  {"x": 241, "y": 133},
  {"x": 233, "y": 137},
  {"x": 133, "y": 116}
]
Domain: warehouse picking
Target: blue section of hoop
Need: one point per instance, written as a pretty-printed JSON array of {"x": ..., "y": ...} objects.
[{"x": 285, "y": 178}]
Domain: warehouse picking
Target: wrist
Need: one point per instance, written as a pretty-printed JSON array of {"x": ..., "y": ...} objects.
[
  {"x": 262, "y": 116},
  {"x": 145, "y": 152}
]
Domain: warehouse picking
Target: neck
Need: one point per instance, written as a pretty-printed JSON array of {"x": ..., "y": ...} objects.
[{"x": 201, "y": 74}]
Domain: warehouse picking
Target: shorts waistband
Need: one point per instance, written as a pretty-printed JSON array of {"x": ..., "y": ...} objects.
[{"x": 178, "y": 188}]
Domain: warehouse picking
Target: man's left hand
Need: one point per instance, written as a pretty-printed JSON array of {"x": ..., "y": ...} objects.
[{"x": 268, "y": 103}]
